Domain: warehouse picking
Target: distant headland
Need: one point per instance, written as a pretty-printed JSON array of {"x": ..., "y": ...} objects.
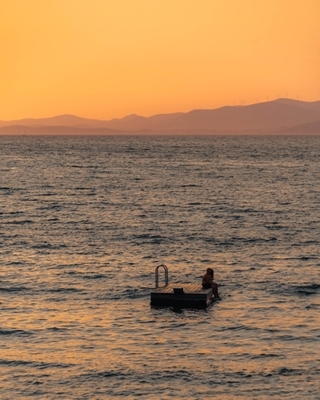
[{"x": 281, "y": 116}]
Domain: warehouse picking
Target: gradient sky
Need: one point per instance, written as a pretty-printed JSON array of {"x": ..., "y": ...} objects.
[{"x": 110, "y": 58}]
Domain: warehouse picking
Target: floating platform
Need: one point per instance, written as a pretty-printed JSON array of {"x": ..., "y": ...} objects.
[{"x": 188, "y": 295}]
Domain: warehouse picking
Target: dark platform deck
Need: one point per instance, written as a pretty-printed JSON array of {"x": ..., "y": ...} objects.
[{"x": 171, "y": 295}]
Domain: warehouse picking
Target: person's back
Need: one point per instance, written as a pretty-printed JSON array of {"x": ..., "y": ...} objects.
[
  {"x": 207, "y": 282},
  {"x": 207, "y": 278}
]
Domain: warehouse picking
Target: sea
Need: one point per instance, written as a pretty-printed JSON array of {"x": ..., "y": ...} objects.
[{"x": 85, "y": 221}]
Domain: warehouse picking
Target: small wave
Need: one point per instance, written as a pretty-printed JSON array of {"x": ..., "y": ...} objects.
[
  {"x": 312, "y": 306},
  {"x": 306, "y": 258},
  {"x": 55, "y": 329},
  {"x": 64, "y": 290},
  {"x": 15, "y": 263},
  {"x": 13, "y": 289},
  {"x": 46, "y": 194},
  {"x": 238, "y": 328},
  {"x": 147, "y": 236},
  {"x": 164, "y": 374},
  {"x": 56, "y": 207},
  {"x": 135, "y": 293},
  {"x": 40, "y": 365},
  {"x": 78, "y": 166},
  {"x": 240, "y": 240},
  {"x": 25, "y": 221},
  {"x": 153, "y": 239},
  {"x": 308, "y": 290},
  {"x": 104, "y": 374},
  {"x": 259, "y": 240},
  {"x": 95, "y": 276},
  {"x": 148, "y": 257},
  {"x": 48, "y": 246},
  {"x": 126, "y": 294},
  {"x": 271, "y": 330},
  {"x": 264, "y": 355},
  {"x": 274, "y": 227},
  {"x": 15, "y": 362},
  {"x": 189, "y": 185},
  {"x": 288, "y": 371},
  {"x": 18, "y": 332}
]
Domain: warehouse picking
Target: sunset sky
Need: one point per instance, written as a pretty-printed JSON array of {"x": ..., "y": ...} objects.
[{"x": 110, "y": 58}]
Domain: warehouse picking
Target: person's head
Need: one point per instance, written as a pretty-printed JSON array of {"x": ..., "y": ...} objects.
[{"x": 210, "y": 271}]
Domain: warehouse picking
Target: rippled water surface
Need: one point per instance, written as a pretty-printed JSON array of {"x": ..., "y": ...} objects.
[{"x": 84, "y": 221}]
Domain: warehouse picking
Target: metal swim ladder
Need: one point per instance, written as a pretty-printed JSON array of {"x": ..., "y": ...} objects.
[{"x": 166, "y": 276}]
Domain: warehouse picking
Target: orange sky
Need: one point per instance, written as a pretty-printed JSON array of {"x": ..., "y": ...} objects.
[{"x": 110, "y": 58}]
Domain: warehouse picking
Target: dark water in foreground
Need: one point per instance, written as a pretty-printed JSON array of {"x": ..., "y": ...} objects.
[{"x": 85, "y": 221}]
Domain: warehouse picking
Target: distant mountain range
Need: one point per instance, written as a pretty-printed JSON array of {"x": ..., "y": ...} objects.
[{"x": 284, "y": 116}]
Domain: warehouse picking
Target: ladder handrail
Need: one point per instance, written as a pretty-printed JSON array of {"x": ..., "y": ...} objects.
[{"x": 166, "y": 276}]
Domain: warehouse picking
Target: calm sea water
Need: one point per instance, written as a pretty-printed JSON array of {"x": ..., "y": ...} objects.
[{"x": 84, "y": 221}]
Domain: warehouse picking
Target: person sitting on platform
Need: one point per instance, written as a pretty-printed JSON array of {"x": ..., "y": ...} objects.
[{"x": 207, "y": 282}]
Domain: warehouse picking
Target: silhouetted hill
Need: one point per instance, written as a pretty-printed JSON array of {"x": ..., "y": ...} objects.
[
  {"x": 60, "y": 120},
  {"x": 257, "y": 117},
  {"x": 268, "y": 117},
  {"x": 310, "y": 128}
]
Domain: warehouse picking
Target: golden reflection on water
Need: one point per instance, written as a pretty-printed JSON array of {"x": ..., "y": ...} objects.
[{"x": 82, "y": 241}]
